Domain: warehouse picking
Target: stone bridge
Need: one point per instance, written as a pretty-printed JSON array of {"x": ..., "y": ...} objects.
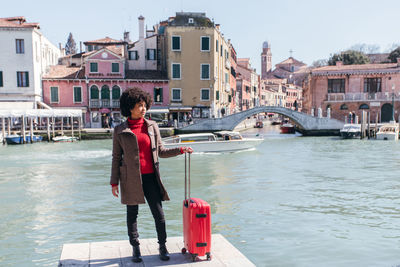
[{"x": 306, "y": 124}]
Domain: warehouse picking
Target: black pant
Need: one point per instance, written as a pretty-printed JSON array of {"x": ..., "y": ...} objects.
[{"x": 152, "y": 193}]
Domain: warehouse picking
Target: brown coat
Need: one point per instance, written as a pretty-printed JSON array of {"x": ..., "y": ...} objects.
[{"x": 125, "y": 169}]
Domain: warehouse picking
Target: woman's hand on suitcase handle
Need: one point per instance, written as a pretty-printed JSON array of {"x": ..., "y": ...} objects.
[
  {"x": 115, "y": 190},
  {"x": 187, "y": 149}
]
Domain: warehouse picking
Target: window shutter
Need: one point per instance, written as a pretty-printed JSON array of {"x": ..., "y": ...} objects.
[{"x": 26, "y": 79}]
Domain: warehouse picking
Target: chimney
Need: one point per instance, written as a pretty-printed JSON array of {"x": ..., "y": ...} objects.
[
  {"x": 141, "y": 27},
  {"x": 217, "y": 26},
  {"x": 126, "y": 37},
  {"x": 59, "y": 46},
  {"x": 398, "y": 62},
  {"x": 339, "y": 63},
  {"x": 80, "y": 47}
]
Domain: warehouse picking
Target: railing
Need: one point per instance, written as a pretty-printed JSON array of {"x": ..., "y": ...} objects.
[
  {"x": 104, "y": 103},
  {"x": 340, "y": 97}
]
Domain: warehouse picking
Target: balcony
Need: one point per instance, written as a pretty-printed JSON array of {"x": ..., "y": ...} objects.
[
  {"x": 227, "y": 64},
  {"x": 349, "y": 97},
  {"x": 104, "y": 103}
]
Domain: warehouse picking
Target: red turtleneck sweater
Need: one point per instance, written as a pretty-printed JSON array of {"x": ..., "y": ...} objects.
[{"x": 139, "y": 128}]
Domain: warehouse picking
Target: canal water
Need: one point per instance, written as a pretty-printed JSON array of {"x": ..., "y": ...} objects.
[{"x": 294, "y": 201}]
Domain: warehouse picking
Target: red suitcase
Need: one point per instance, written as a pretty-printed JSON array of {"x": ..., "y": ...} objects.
[{"x": 196, "y": 222}]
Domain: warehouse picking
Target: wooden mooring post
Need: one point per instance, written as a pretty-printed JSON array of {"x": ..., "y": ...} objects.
[
  {"x": 31, "y": 129},
  {"x": 79, "y": 127},
  {"x": 48, "y": 129},
  {"x": 3, "y": 129},
  {"x": 62, "y": 125},
  {"x": 72, "y": 128},
  {"x": 362, "y": 125},
  {"x": 9, "y": 126},
  {"x": 23, "y": 129},
  {"x": 53, "y": 122},
  {"x": 369, "y": 125}
]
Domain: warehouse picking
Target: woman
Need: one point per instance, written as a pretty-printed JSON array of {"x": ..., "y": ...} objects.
[{"x": 135, "y": 166}]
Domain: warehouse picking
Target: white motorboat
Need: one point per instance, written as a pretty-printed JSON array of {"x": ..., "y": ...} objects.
[
  {"x": 64, "y": 138},
  {"x": 223, "y": 141},
  {"x": 351, "y": 131},
  {"x": 388, "y": 131}
]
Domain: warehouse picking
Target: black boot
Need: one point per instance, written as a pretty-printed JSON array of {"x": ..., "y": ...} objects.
[
  {"x": 164, "y": 255},
  {"x": 136, "y": 256}
]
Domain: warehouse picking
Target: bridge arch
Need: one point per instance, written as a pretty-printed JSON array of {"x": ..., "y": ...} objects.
[{"x": 306, "y": 122}]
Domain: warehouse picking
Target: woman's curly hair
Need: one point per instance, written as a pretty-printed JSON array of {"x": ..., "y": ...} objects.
[{"x": 131, "y": 97}]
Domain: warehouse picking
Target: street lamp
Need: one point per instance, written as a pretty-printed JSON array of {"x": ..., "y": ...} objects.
[{"x": 393, "y": 87}]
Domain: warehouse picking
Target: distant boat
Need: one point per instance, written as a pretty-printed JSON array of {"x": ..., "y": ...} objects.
[
  {"x": 64, "y": 138},
  {"x": 223, "y": 141},
  {"x": 259, "y": 124},
  {"x": 351, "y": 131},
  {"x": 17, "y": 139},
  {"x": 388, "y": 131},
  {"x": 287, "y": 128}
]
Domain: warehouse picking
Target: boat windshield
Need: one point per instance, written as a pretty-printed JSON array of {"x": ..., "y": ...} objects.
[{"x": 199, "y": 138}]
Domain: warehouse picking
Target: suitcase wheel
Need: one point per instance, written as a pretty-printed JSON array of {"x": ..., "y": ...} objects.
[
  {"x": 183, "y": 251},
  {"x": 194, "y": 257},
  {"x": 208, "y": 256}
]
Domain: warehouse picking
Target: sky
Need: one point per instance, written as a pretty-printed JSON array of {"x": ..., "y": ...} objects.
[{"x": 312, "y": 29}]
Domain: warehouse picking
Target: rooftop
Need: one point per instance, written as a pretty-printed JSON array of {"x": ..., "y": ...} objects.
[
  {"x": 105, "y": 41},
  {"x": 17, "y": 22},
  {"x": 357, "y": 69}
]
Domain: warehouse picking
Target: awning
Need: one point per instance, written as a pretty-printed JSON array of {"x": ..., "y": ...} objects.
[
  {"x": 104, "y": 110},
  {"x": 160, "y": 110},
  {"x": 180, "y": 108},
  {"x": 32, "y": 113}
]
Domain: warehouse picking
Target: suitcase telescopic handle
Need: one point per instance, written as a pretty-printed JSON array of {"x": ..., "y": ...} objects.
[{"x": 187, "y": 177}]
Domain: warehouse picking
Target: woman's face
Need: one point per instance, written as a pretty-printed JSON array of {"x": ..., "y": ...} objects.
[{"x": 139, "y": 110}]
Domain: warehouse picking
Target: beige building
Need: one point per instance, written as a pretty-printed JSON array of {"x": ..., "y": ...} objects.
[{"x": 198, "y": 66}]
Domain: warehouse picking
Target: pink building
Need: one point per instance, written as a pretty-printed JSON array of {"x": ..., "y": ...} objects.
[
  {"x": 352, "y": 88},
  {"x": 96, "y": 86},
  {"x": 232, "y": 81}
]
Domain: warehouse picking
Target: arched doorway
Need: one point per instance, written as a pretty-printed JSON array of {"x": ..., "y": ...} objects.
[{"x": 386, "y": 112}]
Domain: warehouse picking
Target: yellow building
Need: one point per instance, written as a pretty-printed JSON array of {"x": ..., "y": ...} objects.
[{"x": 198, "y": 66}]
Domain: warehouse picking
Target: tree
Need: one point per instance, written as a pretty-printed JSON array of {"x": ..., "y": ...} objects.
[
  {"x": 319, "y": 63},
  {"x": 70, "y": 46},
  {"x": 349, "y": 57},
  {"x": 366, "y": 48},
  {"x": 394, "y": 55}
]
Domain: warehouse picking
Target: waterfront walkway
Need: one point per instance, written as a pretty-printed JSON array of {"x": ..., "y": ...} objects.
[{"x": 119, "y": 253}]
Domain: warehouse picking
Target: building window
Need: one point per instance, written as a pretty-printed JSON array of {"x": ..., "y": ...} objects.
[
  {"x": 344, "y": 107},
  {"x": 90, "y": 48},
  {"x": 20, "y": 46},
  {"x": 205, "y": 72},
  {"x": 77, "y": 94},
  {"x": 158, "y": 95},
  {"x": 1, "y": 79},
  {"x": 133, "y": 55},
  {"x": 176, "y": 71},
  {"x": 335, "y": 86},
  {"x": 22, "y": 79},
  {"x": 94, "y": 92},
  {"x": 372, "y": 85},
  {"x": 217, "y": 95},
  {"x": 205, "y": 94},
  {"x": 176, "y": 94},
  {"x": 94, "y": 67},
  {"x": 176, "y": 43},
  {"x": 151, "y": 54},
  {"x": 105, "y": 92},
  {"x": 205, "y": 43},
  {"x": 216, "y": 46},
  {"x": 114, "y": 67},
  {"x": 363, "y": 106},
  {"x": 54, "y": 95},
  {"x": 116, "y": 92}
]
